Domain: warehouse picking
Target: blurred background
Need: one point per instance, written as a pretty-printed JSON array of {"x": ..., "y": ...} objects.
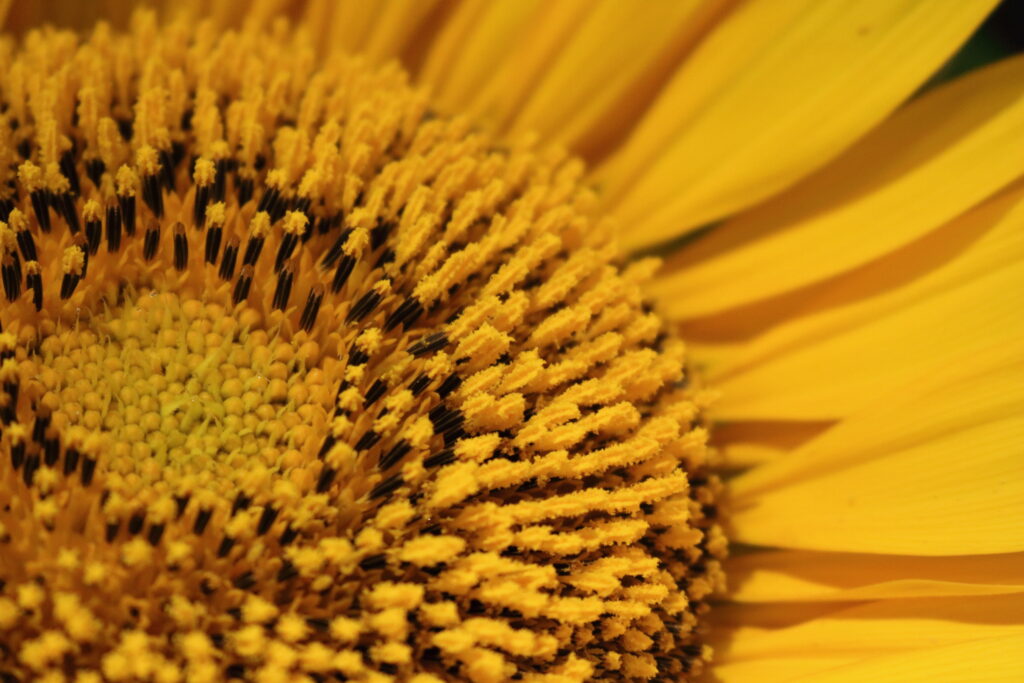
[{"x": 1001, "y": 35}]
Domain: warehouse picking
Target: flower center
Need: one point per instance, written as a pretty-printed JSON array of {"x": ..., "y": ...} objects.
[
  {"x": 182, "y": 385},
  {"x": 300, "y": 379}
]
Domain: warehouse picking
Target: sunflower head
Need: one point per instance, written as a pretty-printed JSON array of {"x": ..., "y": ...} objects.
[{"x": 299, "y": 377}]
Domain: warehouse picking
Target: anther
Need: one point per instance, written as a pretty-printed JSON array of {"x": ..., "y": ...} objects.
[
  {"x": 17, "y": 454},
  {"x": 72, "y": 264},
  {"x": 88, "y": 469},
  {"x": 326, "y": 479},
  {"x": 220, "y": 182},
  {"x": 148, "y": 161},
  {"x": 93, "y": 225},
  {"x": 444, "y": 418},
  {"x": 94, "y": 168},
  {"x": 368, "y": 440},
  {"x": 364, "y": 306},
  {"x": 51, "y": 451},
  {"x": 202, "y": 519},
  {"x": 450, "y": 384},
  {"x": 156, "y": 532},
  {"x": 376, "y": 390},
  {"x": 180, "y": 247},
  {"x": 266, "y": 520},
  {"x": 439, "y": 459},
  {"x": 68, "y": 170},
  {"x": 258, "y": 228},
  {"x": 213, "y": 237},
  {"x": 345, "y": 267},
  {"x": 283, "y": 290},
  {"x": 380, "y": 233},
  {"x": 294, "y": 226},
  {"x": 287, "y": 572},
  {"x": 244, "y": 186},
  {"x": 11, "y": 276},
  {"x": 26, "y": 243},
  {"x": 242, "y": 502},
  {"x": 41, "y": 208},
  {"x": 336, "y": 250},
  {"x": 167, "y": 170},
  {"x": 397, "y": 452},
  {"x": 227, "y": 264},
  {"x": 71, "y": 456},
  {"x": 419, "y": 384},
  {"x": 373, "y": 562},
  {"x": 312, "y": 308},
  {"x": 81, "y": 243},
  {"x": 113, "y": 228},
  {"x": 244, "y": 581},
  {"x": 407, "y": 313},
  {"x": 64, "y": 203},
  {"x": 31, "y": 178},
  {"x": 432, "y": 342},
  {"x": 387, "y": 487},
  {"x": 151, "y": 240},
  {"x": 242, "y": 285},
  {"x": 287, "y": 536},
  {"x": 226, "y": 544},
  {"x": 34, "y": 281},
  {"x": 127, "y": 184},
  {"x": 203, "y": 176}
]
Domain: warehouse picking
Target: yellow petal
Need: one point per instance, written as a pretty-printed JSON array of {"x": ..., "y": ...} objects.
[
  {"x": 978, "y": 240},
  {"x": 974, "y": 389},
  {"x": 611, "y": 68},
  {"x": 397, "y": 24},
  {"x": 958, "y": 494},
  {"x": 378, "y": 30},
  {"x": 833, "y": 363},
  {"x": 776, "y": 669},
  {"x": 796, "y": 575},
  {"x": 728, "y": 617},
  {"x": 878, "y": 628},
  {"x": 776, "y": 91},
  {"x": 744, "y": 444},
  {"x": 577, "y": 72},
  {"x": 929, "y": 163},
  {"x": 479, "y": 35},
  {"x": 978, "y": 661}
]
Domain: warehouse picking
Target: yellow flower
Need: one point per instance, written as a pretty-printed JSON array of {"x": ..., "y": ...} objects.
[{"x": 312, "y": 369}]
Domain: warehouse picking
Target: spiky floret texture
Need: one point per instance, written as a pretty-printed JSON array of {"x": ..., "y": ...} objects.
[{"x": 298, "y": 377}]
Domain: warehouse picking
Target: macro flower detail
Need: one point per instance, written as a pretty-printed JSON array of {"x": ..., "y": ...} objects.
[
  {"x": 457, "y": 340},
  {"x": 300, "y": 377}
]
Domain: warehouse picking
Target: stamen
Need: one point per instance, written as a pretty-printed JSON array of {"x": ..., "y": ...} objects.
[{"x": 180, "y": 247}]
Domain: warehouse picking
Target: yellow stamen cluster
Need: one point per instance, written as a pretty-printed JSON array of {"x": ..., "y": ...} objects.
[{"x": 299, "y": 380}]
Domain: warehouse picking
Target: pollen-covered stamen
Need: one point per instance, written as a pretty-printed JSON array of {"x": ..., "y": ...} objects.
[
  {"x": 214, "y": 222},
  {"x": 180, "y": 247},
  {"x": 72, "y": 267},
  {"x": 92, "y": 215},
  {"x": 203, "y": 177},
  {"x": 127, "y": 182},
  {"x": 113, "y": 229},
  {"x": 10, "y": 268},
  {"x": 227, "y": 262},
  {"x": 151, "y": 240},
  {"x": 402, "y": 415}
]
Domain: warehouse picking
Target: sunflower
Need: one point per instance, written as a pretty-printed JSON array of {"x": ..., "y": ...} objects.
[{"x": 433, "y": 341}]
